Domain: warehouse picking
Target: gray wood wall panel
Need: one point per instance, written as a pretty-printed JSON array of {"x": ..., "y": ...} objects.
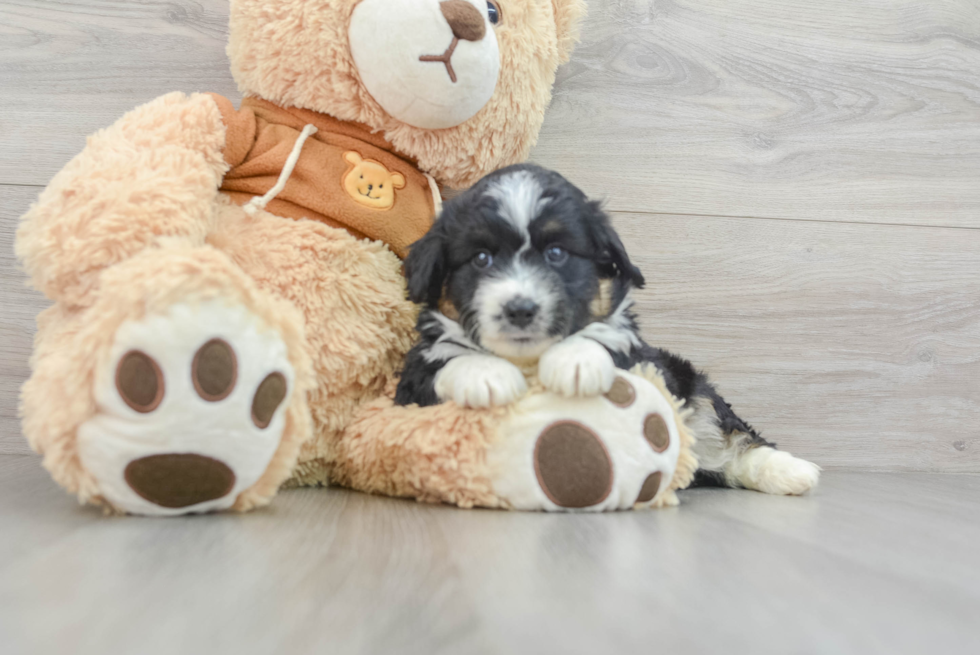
[
  {"x": 829, "y": 110},
  {"x": 71, "y": 67},
  {"x": 18, "y": 307},
  {"x": 819, "y": 109},
  {"x": 845, "y": 334},
  {"x": 852, "y": 344}
]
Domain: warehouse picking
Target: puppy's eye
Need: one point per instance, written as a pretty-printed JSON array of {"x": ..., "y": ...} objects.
[
  {"x": 483, "y": 260},
  {"x": 493, "y": 12},
  {"x": 556, "y": 255}
]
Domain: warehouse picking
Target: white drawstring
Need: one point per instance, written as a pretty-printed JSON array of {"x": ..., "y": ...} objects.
[
  {"x": 259, "y": 202},
  {"x": 436, "y": 196}
]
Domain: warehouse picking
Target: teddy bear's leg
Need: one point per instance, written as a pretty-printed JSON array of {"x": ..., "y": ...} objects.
[
  {"x": 180, "y": 389},
  {"x": 627, "y": 448},
  {"x": 351, "y": 293},
  {"x": 434, "y": 454}
]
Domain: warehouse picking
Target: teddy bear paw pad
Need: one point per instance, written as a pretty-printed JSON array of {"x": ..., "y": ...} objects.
[
  {"x": 572, "y": 465},
  {"x": 191, "y": 408},
  {"x": 610, "y": 452}
]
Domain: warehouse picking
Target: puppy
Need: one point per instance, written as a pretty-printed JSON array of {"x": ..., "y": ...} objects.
[{"x": 536, "y": 277}]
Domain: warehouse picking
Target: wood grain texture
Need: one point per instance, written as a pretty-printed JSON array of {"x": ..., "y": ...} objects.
[
  {"x": 828, "y": 109},
  {"x": 19, "y": 305},
  {"x": 852, "y": 345},
  {"x": 327, "y": 570},
  {"x": 71, "y": 67}
]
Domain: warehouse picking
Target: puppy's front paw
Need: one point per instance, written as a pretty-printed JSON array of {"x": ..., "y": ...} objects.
[
  {"x": 577, "y": 367},
  {"x": 480, "y": 381}
]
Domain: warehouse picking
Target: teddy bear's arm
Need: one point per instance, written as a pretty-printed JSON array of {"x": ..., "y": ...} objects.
[{"x": 151, "y": 177}]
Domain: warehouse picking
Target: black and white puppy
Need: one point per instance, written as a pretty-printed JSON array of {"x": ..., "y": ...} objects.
[{"x": 538, "y": 277}]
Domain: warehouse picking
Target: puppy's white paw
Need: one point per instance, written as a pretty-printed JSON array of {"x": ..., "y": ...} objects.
[
  {"x": 480, "y": 381},
  {"x": 577, "y": 367},
  {"x": 774, "y": 471}
]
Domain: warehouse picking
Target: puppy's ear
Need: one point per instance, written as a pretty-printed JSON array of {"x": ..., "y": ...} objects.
[
  {"x": 426, "y": 268},
  {"x": 613, "y": 261}
]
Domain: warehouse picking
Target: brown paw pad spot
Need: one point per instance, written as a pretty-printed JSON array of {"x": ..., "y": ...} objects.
[
  {"x": 656, "y": 432},
  {"x": 650, "y": 488},
  {"x": 270, "y": 394},
  {"x": 214, "y": 370},
  {"x": 572, "y": 465},
  {"x": 177, "y": 480},
  {"x": 139, "y": 381},
  {"x": 622, "y": 393}
]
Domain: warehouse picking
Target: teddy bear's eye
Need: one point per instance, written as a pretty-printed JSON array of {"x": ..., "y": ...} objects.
[
  {"x": 381, "y": 186},
  {"x": 493, "y": 12},
  {"x": 362, "y": 177}
]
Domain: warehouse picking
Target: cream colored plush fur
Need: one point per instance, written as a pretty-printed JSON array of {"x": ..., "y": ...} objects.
[
  {"x": 288, "y": 52},
  {"x": 136, "y": 223},
  {"x": 439, "y": 453}
]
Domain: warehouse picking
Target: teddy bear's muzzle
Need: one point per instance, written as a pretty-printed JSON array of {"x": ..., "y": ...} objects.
[
  {"x": 466, "y": 23},
  {"x": 175, "y": 480},
  {"x": 432, "y": 64}
]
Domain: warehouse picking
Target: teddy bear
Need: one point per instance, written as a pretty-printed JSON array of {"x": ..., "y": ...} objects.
[{"x": 230, "y": 312}]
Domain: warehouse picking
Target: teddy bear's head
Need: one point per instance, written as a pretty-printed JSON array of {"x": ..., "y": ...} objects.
[{"x": 459, "y": 85}]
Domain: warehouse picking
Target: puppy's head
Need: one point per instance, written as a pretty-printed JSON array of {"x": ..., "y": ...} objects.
[{"x": 521, "y": 256}]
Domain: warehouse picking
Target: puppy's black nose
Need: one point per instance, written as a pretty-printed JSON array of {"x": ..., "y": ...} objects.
[{"x": 520, "y": 311}]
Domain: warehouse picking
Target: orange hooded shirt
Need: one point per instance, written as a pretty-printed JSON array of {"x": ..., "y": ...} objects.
[{"x": 345, "y": 176}]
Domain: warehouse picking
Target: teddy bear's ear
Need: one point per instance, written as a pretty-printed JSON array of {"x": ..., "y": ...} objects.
[
  {"x": 568, "y": 16},
  {"x": 398, "y": 180},
  {"x": 352, "y": 157}
]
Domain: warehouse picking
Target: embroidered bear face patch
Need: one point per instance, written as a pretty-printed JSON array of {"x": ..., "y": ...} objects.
[{"x": 369, "y": 183}]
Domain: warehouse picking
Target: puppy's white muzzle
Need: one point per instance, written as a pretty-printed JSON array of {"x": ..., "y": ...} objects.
[{"x": 427, "y": 63}]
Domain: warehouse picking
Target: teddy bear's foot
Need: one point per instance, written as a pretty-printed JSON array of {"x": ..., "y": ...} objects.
[
  {"x": 615, "y": 451},
  {"x": 191, "y": 409}
]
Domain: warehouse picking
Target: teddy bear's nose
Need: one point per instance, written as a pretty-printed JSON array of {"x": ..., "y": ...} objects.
[{"x": 464, "y": 19}]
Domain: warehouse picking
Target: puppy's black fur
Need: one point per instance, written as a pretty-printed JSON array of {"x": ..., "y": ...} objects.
[{"x": 486, "y": 220}]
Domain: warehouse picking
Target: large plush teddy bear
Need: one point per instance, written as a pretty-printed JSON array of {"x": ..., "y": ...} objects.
[{"x": 230, "y": 311}]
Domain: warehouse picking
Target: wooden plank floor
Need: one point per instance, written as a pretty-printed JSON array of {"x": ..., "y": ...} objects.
[{"x": 872, "y": 563}]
